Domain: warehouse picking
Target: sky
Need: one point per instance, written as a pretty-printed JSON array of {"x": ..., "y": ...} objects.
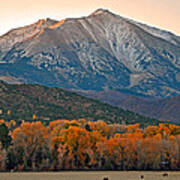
[{"x": 164, "y": 14}]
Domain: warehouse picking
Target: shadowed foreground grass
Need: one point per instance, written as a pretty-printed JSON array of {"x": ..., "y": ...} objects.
[{"x": 112, "y": 175}]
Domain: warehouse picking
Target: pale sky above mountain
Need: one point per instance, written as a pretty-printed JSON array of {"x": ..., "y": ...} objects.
[{"x": 160, "y": 13}]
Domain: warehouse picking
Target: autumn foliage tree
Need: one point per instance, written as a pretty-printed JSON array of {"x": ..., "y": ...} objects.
[
  {"x": 79, "y": 144},
  {"x": 29, "y": 140}
]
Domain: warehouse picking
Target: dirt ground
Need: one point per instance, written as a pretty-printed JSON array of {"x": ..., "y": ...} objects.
[{"x": 111, "y": 175}]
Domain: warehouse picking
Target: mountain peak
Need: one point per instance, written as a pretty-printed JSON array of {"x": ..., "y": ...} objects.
[
  {"x": 100, "y": 52},
  {"x": 99, "y": 11}
]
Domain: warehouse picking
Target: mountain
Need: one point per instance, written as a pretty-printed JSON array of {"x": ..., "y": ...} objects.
[
  {"x": 21, "y": 102},
  {"x": 163, "y": 109},
  {"x": 100, "y": 52}
]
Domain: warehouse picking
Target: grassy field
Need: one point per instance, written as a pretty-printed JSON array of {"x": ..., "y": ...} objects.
[{"x": 131, "y": 175}]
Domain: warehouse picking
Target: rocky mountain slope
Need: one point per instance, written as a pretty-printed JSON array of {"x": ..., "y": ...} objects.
[
  {"x": 100, "y": 52},
  {"x": 23, "y": 102}
]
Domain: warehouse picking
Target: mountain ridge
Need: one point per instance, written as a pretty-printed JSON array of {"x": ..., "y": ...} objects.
[{"x": 102, "y": 51}]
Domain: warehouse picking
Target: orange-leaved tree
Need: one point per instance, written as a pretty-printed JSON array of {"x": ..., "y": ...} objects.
[{"x": 31, "y": 139}]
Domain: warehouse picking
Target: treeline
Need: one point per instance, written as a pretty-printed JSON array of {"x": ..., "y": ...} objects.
[{"x": 83, "y": 145}]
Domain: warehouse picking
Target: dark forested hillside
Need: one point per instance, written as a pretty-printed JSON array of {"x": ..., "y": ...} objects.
[
  {"x": 35, "y": 102},
  {"x": 163, "y": 109}
]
